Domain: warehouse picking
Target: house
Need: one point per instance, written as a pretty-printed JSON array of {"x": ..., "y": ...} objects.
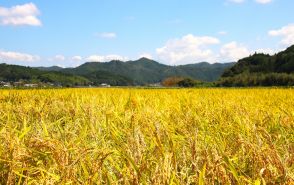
[
  {"x": 50, "y": 84},
  {"x": 155, "y": 85},
  {"x": 5, "y": 84},
  {"x": 18, "y": 84},
  {"x": 104, "y": 85},
  {"x": 30, "y": 85}
]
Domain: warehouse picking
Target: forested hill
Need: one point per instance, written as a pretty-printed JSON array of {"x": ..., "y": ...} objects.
[
  {"x": 146, "y": 71},
  {"x": 15, "y": 73},
  {"x": 262, "y": 70}
]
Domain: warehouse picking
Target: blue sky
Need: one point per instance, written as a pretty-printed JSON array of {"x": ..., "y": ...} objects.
[{"x": 174, "y": 32}]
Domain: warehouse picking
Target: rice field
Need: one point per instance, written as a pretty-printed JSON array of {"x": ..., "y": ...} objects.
[{"x": 147, "y": 136}]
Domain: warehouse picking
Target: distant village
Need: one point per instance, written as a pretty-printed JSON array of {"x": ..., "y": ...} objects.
[{"x": 23, "y": 84}]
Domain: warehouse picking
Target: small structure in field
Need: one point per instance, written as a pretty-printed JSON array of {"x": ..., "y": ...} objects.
[
  {"x": 104, "y": 85},
  {"x": 5, "y": 84},
  {"x": 30, "y": 85},
  {"x": 155, "y": 85}
]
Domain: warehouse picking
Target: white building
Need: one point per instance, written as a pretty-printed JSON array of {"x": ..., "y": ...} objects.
[{"x": 104, "y": 85}]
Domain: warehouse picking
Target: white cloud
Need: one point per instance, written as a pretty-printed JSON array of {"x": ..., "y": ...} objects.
[
  {"x": 73, "y": 61},
  {"x": 286, "y": 32},
  {"x": 263, "y": 1},
  {"x": 10, "y": 56},
  {"x": 107, "y": 35},
  {"x": 188, "y": 49},
  {"x": 107, "y": 58},
  {"x": 76, "y": 61},
  {"x": 59, "y": 58},
  {"x": 77, "y": 58},
  {"x": 25, "y": 14},
  {"x": 237, "y": 1},
  {"x": 233, "y": 51},
  {"x": 146, "y": 55}
]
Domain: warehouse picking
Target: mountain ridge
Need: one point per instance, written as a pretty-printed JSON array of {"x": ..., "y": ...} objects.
[{"x": 144, "y": 70}]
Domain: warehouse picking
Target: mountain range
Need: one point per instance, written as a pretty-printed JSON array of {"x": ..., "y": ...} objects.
[
  {"x": 139, "y": 72},
  {"x": 146, "y": 71}
]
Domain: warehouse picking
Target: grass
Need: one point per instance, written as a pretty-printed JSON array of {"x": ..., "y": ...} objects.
[{"x": 147, "y": 136}]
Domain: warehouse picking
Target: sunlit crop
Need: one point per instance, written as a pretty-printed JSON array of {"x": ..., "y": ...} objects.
[{"x": 147, "y": 136}]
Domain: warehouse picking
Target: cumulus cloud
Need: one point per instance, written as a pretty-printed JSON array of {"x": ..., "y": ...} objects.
[
  {"x": 76, "y": 61},
  {"x": 25, "y": 14},
  {"x": 77, "y": 58},
  {"x": 286, "y": 32},
  {"x": 59, "y": 58},
  {"x": 187, "y": 49},
  {"x": 107, "y": 35},
  {"x": 263, "y": 1},
  {"x": 106, "y": 58},
  {"x": 62, "y": 61},
  {"x": 233, "y": 51},
  {"x": 10, "y": 56}
]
